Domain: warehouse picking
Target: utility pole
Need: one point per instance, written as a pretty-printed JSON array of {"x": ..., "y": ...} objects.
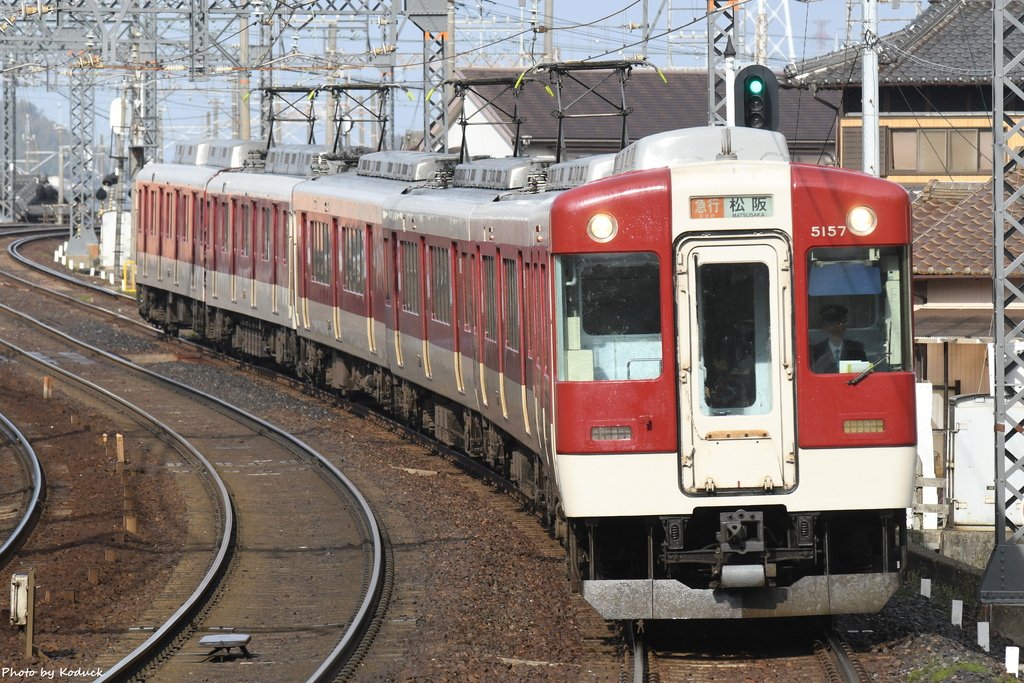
[
  {"x": 242, "y": 91},
  {"x": 1003, "y": 580},
  {"x": 720, "y": 32},
  {"x": 869, "y": 89},
  {"x": 8, "y": 142},
  {"x": 434, "y": 19},
  {"x": 549, "y": 36}
]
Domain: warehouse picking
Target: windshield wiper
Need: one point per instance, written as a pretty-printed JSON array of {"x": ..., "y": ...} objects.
[{"x": 867, "y": 371}]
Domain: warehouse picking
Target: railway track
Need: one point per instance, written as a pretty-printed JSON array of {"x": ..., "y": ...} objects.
[
  {"x": 22, "y": 491},
  {"x": 307, "y": 572},
  {"x": 408, "y": 642},
  {"x": 783, "y": 650}
]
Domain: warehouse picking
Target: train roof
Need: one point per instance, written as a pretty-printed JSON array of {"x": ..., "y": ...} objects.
[
  {"x": 263, "y": 185},
  {"x": 694, "y": 145},
  {"x": 455, "y": 212},
  {"x": 195, "y": 177},
  {"x": 351, "y": 186}
]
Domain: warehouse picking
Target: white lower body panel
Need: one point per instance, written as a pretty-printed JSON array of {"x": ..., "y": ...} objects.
[{"x": 639, "y": 484}]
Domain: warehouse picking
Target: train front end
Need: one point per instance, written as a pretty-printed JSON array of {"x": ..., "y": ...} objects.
[{"x": 734, "y": 431}]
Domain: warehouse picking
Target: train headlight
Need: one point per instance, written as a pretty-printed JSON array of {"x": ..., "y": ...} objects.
[
  {"x": 602, "y": 227},
  {"x": 862, "y": 220}
]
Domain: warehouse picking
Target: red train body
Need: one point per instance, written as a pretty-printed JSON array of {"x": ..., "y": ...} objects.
[{"x": 638, "y": 348}]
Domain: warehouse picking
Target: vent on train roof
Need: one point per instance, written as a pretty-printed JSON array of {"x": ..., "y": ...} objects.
[
  {"x": 185, "y": 152},
  {"x": 215, "y": 153},
  {"x": 579, "y": 171},
  {"x": 497, "y": 174},
  {"x": 297, "y": 160},
  {"x": 410, "y": 166},
  {"x": 689, "y": 145}
]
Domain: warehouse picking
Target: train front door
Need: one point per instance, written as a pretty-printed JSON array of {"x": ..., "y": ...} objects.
[{"x": 734, "y": 303}]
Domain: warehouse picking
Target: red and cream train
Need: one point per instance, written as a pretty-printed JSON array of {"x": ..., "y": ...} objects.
[{"x": 632, "y": 339}]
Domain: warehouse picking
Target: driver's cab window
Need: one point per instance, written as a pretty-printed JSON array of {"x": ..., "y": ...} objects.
[{"x": 857, "y": 315}]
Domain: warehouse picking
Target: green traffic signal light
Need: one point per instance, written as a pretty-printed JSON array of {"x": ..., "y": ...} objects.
[{"x": 756, "y": 98}]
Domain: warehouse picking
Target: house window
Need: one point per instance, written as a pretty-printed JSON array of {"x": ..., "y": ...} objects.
[{"x": 944, "y": 151}]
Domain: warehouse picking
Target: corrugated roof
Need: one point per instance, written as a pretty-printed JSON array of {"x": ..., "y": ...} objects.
[
  {"x": 679, "y": 100},
  {"x": 949, "y": 42}
]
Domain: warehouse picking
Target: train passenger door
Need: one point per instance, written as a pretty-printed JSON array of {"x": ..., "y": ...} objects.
[{"x": 734, "y": 298}]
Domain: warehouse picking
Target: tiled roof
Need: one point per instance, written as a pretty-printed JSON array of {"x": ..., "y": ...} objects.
[
  {"x": 949, "y": 42},
  {"x": 953, "y": 230},
  {"x": 679, "y": 100}
]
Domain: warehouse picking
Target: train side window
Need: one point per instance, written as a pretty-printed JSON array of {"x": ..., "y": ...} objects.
[
  {"x": 181, "y": 217},
  {"x": 169, "y": 224},
  {"x": 199, "y": 225},
  {"x": 510, "y": 299},
  {"x": 267, "y": 228},
  {"x": 489, "y": 299},
  {"x": 245, "y": 229},
  {"x": 409, "y": 284},
  {"x": 355, "y": 260},
  {"x": 857, "y": 311},
  {"x": 529, "y": 308},
  {"x": 225, "y": 227},
  {"x": 608, "y": 313},
  {"x": 440, "y": 285},
  {"x": 320, "y": 252},
  {"x": 467, "y": 271},
  {"x": 155, "y": 205}
]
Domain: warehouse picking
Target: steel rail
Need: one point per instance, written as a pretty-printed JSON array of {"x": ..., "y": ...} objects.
[
  {"x": 14, "y": 249},
  {"x": 35, "y": 471},
  {"x": 363, "y": 616},
  {"x": 849, "y": 668},
  {"x": 171, "y": 627}
]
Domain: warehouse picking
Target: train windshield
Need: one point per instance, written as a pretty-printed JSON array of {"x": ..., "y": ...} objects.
[
  {"x": 858, "y": 309},
  {"x": 733, "y": 313},
  {"x": 609, "y": 318}
]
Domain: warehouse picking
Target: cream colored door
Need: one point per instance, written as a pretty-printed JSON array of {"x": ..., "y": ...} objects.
[{"x": 736, "y": 365}]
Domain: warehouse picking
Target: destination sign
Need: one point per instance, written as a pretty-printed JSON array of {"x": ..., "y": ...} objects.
[{"x": 750, "y": 206}]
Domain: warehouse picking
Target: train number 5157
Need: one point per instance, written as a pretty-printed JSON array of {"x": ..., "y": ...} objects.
[{"x": 828, "y": 230}]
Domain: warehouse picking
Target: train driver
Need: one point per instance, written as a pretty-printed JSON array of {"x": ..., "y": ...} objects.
[{"x": 826, "y": 354}]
